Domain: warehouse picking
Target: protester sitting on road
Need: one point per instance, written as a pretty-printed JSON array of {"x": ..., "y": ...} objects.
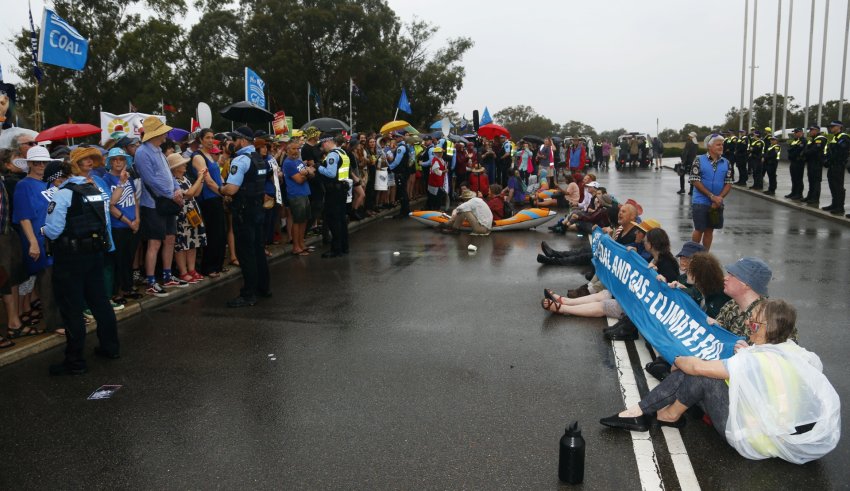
[
  {"x": 191, "y": 233},
  {"x": 623, "y": 234},
  {"x": 746, "y": 282},
  {"x": 474, "y": 211},
  {"x": 731, "y": 390},
  {"x": 496, "y": 202},
  {"x": 479, "y": 183},
  {"x": 603, "y": 304},
  {"x": 516, "y": 190}
]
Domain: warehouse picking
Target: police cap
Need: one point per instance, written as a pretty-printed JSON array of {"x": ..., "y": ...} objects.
[
  {"x": 816, "y": 128},
  {"x": 326, "y": 137},
  {"x": 836, "y": 123},
  {"x": 244, "y": 132},
  {"x": 798, "y": 130}
]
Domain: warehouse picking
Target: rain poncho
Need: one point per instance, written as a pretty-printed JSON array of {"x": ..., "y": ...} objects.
[{"x": 774, "y": 390}]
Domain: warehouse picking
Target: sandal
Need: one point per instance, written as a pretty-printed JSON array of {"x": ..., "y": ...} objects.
[
  {"x": 36, "y": 304},
  {"x": 30, "y": 331},
  {"x": 5, "y": 343},
  {"x": 547, "y": 293},
  {"x": 550, "y": 304},
  {"x": 29, "y": 321}
]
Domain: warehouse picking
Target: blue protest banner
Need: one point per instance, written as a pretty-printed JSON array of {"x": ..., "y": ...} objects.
[
  {"x": 255, "y": 88},
  {"x": 60, "y": 44},
  {"x": 666, "y": 317}
]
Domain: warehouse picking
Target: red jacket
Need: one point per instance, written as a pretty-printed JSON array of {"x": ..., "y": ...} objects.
[
  {"x": 497, "y": 206},
  {"x": 479, "y": 182}
]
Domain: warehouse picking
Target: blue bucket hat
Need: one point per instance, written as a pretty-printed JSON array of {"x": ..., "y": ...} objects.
[
  {"x": 690, "y": 248},
  {"x": 754, "y": 272},
  {"x": 118, "y": 152}
]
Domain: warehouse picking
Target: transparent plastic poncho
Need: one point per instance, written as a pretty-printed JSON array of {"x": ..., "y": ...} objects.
[{"x": 775, "y": 390}]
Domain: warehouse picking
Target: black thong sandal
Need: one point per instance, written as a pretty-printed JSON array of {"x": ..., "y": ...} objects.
[{"x": 5, "y": 343}]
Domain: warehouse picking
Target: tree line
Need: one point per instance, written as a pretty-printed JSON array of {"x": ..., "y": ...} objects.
[{"x": 152, "y": 64}]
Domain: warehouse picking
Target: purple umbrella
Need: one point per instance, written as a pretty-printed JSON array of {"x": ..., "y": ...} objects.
[{"x": 177, "y": 134}]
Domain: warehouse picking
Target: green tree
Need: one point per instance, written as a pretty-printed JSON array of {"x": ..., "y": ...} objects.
[
  {"x": 524, "y": 120},
  {"x": 577, "y": 128}
]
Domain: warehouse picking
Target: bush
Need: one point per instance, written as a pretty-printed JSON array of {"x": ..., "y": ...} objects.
[{"x": 671, "y": 152}]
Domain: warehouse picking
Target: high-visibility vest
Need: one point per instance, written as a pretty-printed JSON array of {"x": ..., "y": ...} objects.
[
  {"x": 450, "y": 148},
  {"x": 343, "y": 166}
]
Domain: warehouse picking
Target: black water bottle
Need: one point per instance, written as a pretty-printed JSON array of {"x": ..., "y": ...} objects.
[{"x": 571, "y": 459}]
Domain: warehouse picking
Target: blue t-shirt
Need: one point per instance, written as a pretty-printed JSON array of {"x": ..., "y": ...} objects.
[
  {"x": 32, "y": 198},
  {"x": 290, "y": 168},
  {"x": 127, "y": 203},
  {"x": 214, "y": 172}
]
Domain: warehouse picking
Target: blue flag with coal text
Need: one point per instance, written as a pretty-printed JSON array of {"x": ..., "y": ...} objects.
[
  {"x": 666, "y": 317},
  {"x": 60, "y": 44}
]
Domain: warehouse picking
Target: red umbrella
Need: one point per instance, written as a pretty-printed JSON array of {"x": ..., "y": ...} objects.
[
  {"x": 66, "y": 131},
  {"x": 493, "y": 130}
]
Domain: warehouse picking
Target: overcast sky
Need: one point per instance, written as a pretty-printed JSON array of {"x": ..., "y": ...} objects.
[{"x": 609, "y": 63}]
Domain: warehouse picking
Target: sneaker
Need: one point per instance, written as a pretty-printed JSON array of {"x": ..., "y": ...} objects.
[
  {"x": 156, "y": 290},
  {"x": 116, "y": 306},
  {"x": 174, "y": 281},
  {"x": 88, "y": 315}
]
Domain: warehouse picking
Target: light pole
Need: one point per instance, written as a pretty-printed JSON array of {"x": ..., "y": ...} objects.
[
  {"x": 823, "y": 61},
  {"x": 787, "y": 66},
  {"x": 776, "y": 64},
  {"x": 809, "y": 70},
  {"x": 744, "y": 63},
  {"x": 753, "y": 60},
  {"x": 844, "y": 65}
]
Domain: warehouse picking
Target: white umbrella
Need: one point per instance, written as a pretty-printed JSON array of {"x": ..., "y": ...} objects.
[{"x": 9, "y": 135}]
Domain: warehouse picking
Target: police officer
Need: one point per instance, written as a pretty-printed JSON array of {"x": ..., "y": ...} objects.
[
  {"x": 813, "y": 154},
  {"x": 741, "y": 149},
  {"x": 837, "y": 151},
  {"x": 798, "y": 164},
  {"x": 400, "y": 167},
  {"x": 754, "y": 163},
  {"x": 771, "y": 162},
  {"x": 77, "y": 229},
  {"x": 246, "y": 183},
  {"x": 729, "y": 145},
  {"x": 335, "y": 171}
]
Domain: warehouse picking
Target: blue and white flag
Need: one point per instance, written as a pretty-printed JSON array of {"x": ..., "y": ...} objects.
[
  {"x": 485, "y": 118},
  {"x": 463, "y": 123},
  {"x": 666, "y": 317},
  {"x": 403, "y": 103},
  {"x": 60, "y": 44},
  {"x": 255, "y": 88}
]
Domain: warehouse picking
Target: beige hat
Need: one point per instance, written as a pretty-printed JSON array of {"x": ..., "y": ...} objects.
[
  {"x": 154, "y": 127},
  {"x": 82, "y": 152},
  {"x": 176, "y": 160},
  {"x": 467, "y": 195}
]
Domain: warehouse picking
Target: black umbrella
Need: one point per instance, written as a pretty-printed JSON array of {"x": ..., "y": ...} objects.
[
  {"x": 246, "y": 112},
  {"x": 533, "y": 139},
  {"x": 329, "y": 125},
  {"x": 557, "y": 140},
  {"x": 458, "y": 139}
]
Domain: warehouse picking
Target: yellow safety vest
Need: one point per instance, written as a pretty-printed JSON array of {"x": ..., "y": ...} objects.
[
  {"x": 450, "y": 148},
  {"x": 344, "y": 165},
  {"x": 832, "y": 139}
]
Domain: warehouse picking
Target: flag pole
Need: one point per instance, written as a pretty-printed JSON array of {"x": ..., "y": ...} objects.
[
  {"x": 308, "y": 102},
  {"x": 350, "y": 107}
]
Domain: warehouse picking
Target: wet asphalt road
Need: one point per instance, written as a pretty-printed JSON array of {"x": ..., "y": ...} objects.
[{"x": 433, "y": 369}]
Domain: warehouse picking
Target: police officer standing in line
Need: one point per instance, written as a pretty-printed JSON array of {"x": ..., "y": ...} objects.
[
  {"x": 335, "y": 171},
  {"x": 837, "y": 151},
  {"x": 400, "y": 167},
  {"x": 729, "y": 149},
  {"x": 76, "y": 227},
  {"x": 755, "y": 164},
  {"x": 813, "y": 154},
  {"x": 798, "y": 164},
  {"x": 741, "y": 147},
  {"x": 771, "y": 163},
  {"x": 246, "y": 183}
]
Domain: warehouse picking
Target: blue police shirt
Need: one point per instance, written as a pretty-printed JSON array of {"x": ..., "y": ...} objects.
[
  {"x": 332, "y": 163},
  {"x": 240, "y": 165},
  {"x": 57, "y": 211},
  {"x": 399, "y": 154}
]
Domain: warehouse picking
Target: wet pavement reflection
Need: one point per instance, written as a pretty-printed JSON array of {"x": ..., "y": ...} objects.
[{"x": 435, "y": 368}]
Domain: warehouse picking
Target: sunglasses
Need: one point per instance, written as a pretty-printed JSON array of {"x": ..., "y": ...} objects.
[
  {"x": 755, "y": 326},
  {"x": 31, "y": 143}
]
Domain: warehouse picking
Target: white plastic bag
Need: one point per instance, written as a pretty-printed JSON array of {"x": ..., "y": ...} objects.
[
  {"x": 381, "y": 180},
  {"x": 773, "y": 390}
]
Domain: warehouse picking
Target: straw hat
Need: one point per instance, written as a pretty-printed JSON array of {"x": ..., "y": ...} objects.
[
  {"x": 176, "y": 160},
  {"x": 154, "y": 127},
  {"x": 647, "y": 225},
  {"x": 81, "y": 152},
  {"x": 467, "y": 195}
]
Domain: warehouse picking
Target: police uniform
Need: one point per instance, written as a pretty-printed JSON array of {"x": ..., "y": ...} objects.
[
  {"x": 729, "y": 144},
  {"x": 837, "y": 151},
  {"x": 250, "y": 171},
  {"x": 771, "y": 163},
  {"x": 813, "y": 155},
  {"x": 335, "y": 170},
  {"x": 755, "y": 164},
  {"x": 77, "y": 229},
  {"x": 798, "y": 164},
  {"x": 400, "y": 167},
  {"x": 741, "y": 148}
]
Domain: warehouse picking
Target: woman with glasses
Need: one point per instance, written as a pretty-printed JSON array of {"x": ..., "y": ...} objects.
[{"x": 764, "y": 399}]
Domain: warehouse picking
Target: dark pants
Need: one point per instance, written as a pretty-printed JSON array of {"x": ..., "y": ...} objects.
[
  {"x": 502, "y": 173},
  {"x": 77, "y": 282},
  {"x": 126, "y": 243},
  {"x": 815, "y": 171},
  {"x": 709, "y": 393},
  {"x": 269, "y": 217},
  {"x": 250, "y": 251},
  {"x": 436, "y": 201},
  {"x": 400, "y": 193},
  {"x": 770, "y": 171},
  {"x": 741, "y": 163},
  {"x": 370, "y": 189},
  {"x": 756, "y": 169},
  {"x": 835, "y": 178},
  {"x": 335, "y": 213},
  {"x": 215, "y": 224},
  {"x": 798, "y": 169}
]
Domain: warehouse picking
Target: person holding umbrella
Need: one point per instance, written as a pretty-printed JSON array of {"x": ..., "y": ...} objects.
[{"x": 246, "y": 182}]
